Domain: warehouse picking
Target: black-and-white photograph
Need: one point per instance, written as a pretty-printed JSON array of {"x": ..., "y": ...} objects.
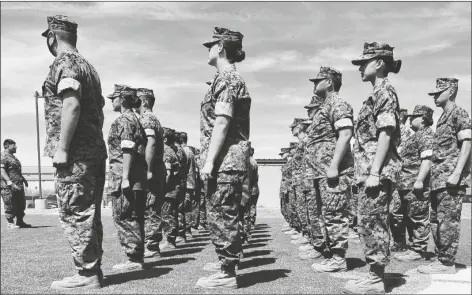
[{"x": 236, "y": 147}]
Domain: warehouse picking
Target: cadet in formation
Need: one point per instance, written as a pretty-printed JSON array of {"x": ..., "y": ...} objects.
[
  {"x": 450, "y": 174},
  {"x": 224, "y": 138},
  {"x": 182, "y": 174},
  {"x": 73, "y": 110},
  {"x": 191, "y": 201},
  {"x": 127, "y": 176},
  {"x": 13, "y": 187}
]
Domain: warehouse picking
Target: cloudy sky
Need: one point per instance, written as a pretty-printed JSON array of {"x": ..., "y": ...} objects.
[{"x": 158, "y": 46}]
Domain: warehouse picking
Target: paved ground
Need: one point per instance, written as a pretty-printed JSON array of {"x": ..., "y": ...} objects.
[{"x": 32, "y": 258}]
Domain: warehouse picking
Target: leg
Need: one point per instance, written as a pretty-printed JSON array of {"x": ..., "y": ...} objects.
[
  {"x": 7, "y": 196},
  {"x": 169, "y": 207},
  {"x": 152, "y": 222},
  {"x": 417, "y": 210},
  {"x": 316, "y": 226},
  {"x": 397, "y": 220},
  {"x": 203, "y": 219},
  {"x": 254, "y": 199},
  {"x": 20, "y": 205}
]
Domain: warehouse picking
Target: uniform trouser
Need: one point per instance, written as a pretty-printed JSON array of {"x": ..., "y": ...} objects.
[
  {"x": 152, "y": 215},
  {"x": 224, "y": 216},
  {"x": 374, "y": 223},
  {"x": 410, "y": 209},
  {"x": 253, "y": 210},
  {"x": 79, "y": 190},
  {"x": 294, "y": 218},
  {"x": 168, "y": 222},
  {"x": 302, "y": 211},
  {"x": 203, "y": 206},
  {"x": 328, "y": 204},
  {"x": 14, "y": 203},
  {"x": 128, "y": 215},
  {"x": 353, "y": 205},
  {"x": 245, "y": 223},
  {"x": 446, "y": 209},
  {"x": 192, "y": 209},
  {"x": 182, "y": 223}
]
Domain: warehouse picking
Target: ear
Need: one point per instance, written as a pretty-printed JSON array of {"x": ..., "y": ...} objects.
[{"x": 51, "y": 35}]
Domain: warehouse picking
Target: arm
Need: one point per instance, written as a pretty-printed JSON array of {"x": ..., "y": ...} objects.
[
  {"x": 69, "y": 119},
  {"x": 463, "y": 157},
  {"x": 383, "y": 144},
  {"x": 128, "y": 157},
  {"x": 217, "y": 139},
  {"x": 24, "y": 181},
  {"x": 150, "y": 153},
  {"x": 342, "y": 145},
  {"x": 424, "y": 170},
  {"x": 5, "y": 177}
]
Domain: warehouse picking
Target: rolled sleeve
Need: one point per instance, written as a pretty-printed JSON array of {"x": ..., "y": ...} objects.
[
  {"x": 224, "y": 109},
  {"x": 342, "y": 123},
  {"x": 150, "y": 132},
  {"x": 464, "y": 135},
  {"x": 426, "y": 154},
  {"x": 127, "y": 144},
  {"x": 69, "y": 84},
  {"x": 386, "y": 120}
]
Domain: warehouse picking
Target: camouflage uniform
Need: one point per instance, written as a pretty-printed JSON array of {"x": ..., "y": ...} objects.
[
  {"x": 229, "y": 97},
  {"x": 128, "y": 206},
  {"x": 295, "y": 220},
  {"x": 406, "y": 202},
  {"x": 254, "y": 191},
  {"x": 183, "y": 171},
  {"x": 283, "y": 190},
  {"x": 452, "y": 129},
  {"x": 192, "y": 199},
  {"x": 298, "y": 187},
  {"x": 378, "y": 112},
  {"x": 169, "y": 222},
  {"x": 332, "y": 203},
  {"x": 201, "y": 191},
  {"x": 79, "y": 186},
  {"x": 14, "y": 200},
  {"x": 155, "y": 194}
]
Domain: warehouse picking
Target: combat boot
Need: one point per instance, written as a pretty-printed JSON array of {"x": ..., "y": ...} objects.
[
  {"x": 398, "y": 247},
  {"x": 22, "y": 224},
  {"x": 437, "y": 267},
  {"x": 311, "y": 254},
  {"x": 333, "y": 264},
  {"x": 372, "y": 284},
  {"x": 11, "y": 225},
  {"x": 213, "y": 266},
  {"x": 151, "y": 253},
  {"x": 354, "y": 237},
  {"x": 296, "y": 236},
  {"x": 409, "y": 255},
  {"x": 306, "y": 247},
  {"x": 301, "y": 241},
  {"x": 81, "y": 281},
  {"x": 167, "y": 246},
  {"x": 225, "y": 279},
  {"x": 290, "y": 232},
  {"x": 129, "y": 265}
]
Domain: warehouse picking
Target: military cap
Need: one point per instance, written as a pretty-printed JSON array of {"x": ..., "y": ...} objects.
[
  {"x": 222, "y": 34},
  {"x": 118, "y": 89},
  {"x": 443, "y": 84},
  {"x": 327, "y": 73},
  {"x": 315, "y": 102},
  {"x": 372, "y": 50},
  {"x": 284, "y": 151},
  {"x": 293, "y": 145},
  {"x": 424, "y": 111},
  {"x": 209, "y": 82},
  {"x": 62, "y": 23},
  {"x": 144, "y": 91},
  {"x": 168, "y": 132},
  {"x": 296, "y": 122}
]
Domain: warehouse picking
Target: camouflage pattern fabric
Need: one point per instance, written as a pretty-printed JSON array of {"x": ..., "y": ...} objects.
[
  {"x": 152, "y": 218},
  {"x": 295, "y": 221},
  {"x": 169, "y": 213},
  {"x": 70, "y": 71},
  {"x": 381, "y": 110},
  {"x": 182, "y": 157},
  {"x": 373, "y": 223},
  {"x": 168, "y": 222},
  {"x": 415, "y": 149},
  {"x": 452, "y": 128},
  {"x": 14, "y": 203},
  {"x": 353, "y": 208},
  {"x": 192, "y": 173},
  {"x": 253, "y": 209},
  {"x": 79, "y": 188},
  {"x": 127, "y": 133},
  {"x": 192, "y": 209},
  {"x": 12, "y": 167},
  {"x": 317, "y": 233},
  {"x": 128, "y": 215},
  {"x": 229, "y": 97},
  {"x": 410, "y": 209},
  {"x": 223, "y": 216},
  {"x": 446, "y": 209}
]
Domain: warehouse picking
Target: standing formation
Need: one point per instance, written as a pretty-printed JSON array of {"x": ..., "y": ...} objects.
[{"x": 394, "y": 179}]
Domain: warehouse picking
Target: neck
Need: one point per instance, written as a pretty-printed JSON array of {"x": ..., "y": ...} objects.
[
  {"x": 449, "y": 105},
  {"x": 123, "y": 109},
  {"x": 377, "y": 80},
  {"x": 222, "y": 64},
  {"x": 8, "y": 152},
  {"x": 61, "y": 47}
]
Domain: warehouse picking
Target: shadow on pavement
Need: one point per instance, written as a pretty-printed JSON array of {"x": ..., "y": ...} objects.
[
  {"x": 353, "y": 263},
  {"x": 181, "y": 252},
  {"x": 120, "y": 278},
  {"x": 256, "y": 262},
  {"x": 254, "y": 245},
  {"x": 393, "y": 280},
  {"x": 190, "y": 245},
  {"x": 257, "y": 253},
  {"x": 260, "y": 236},
  {"x": 262, "y": 276},
  {"x": 203, "y": 239},
  {"x": 259, "y": 240},
  {"x": 38, "y": 226},
  {"x": 170, "y": 261},
  {"x": 460, "y": 266}
]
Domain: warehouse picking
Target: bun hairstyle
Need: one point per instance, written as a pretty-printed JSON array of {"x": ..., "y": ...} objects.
[
  {"x": 391, "y": 65},
  {"x": 132, "y": 101},
  {"x": 234, "y": 51}
]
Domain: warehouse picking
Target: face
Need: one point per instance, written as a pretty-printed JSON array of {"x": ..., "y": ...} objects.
[
  {"x": 321, "y": 87},
  {"x": 12, "y": 148},
  {"x": 368, "y": 70},
  {"x": 416, "y": 122},
  {"x": 116, "y": 102},
  {"x": 295, "y": 131},
  {"x": 441, "y": 98},
  {"x": 51, "y": 42},
  {"x": 214, "y": 53}
]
